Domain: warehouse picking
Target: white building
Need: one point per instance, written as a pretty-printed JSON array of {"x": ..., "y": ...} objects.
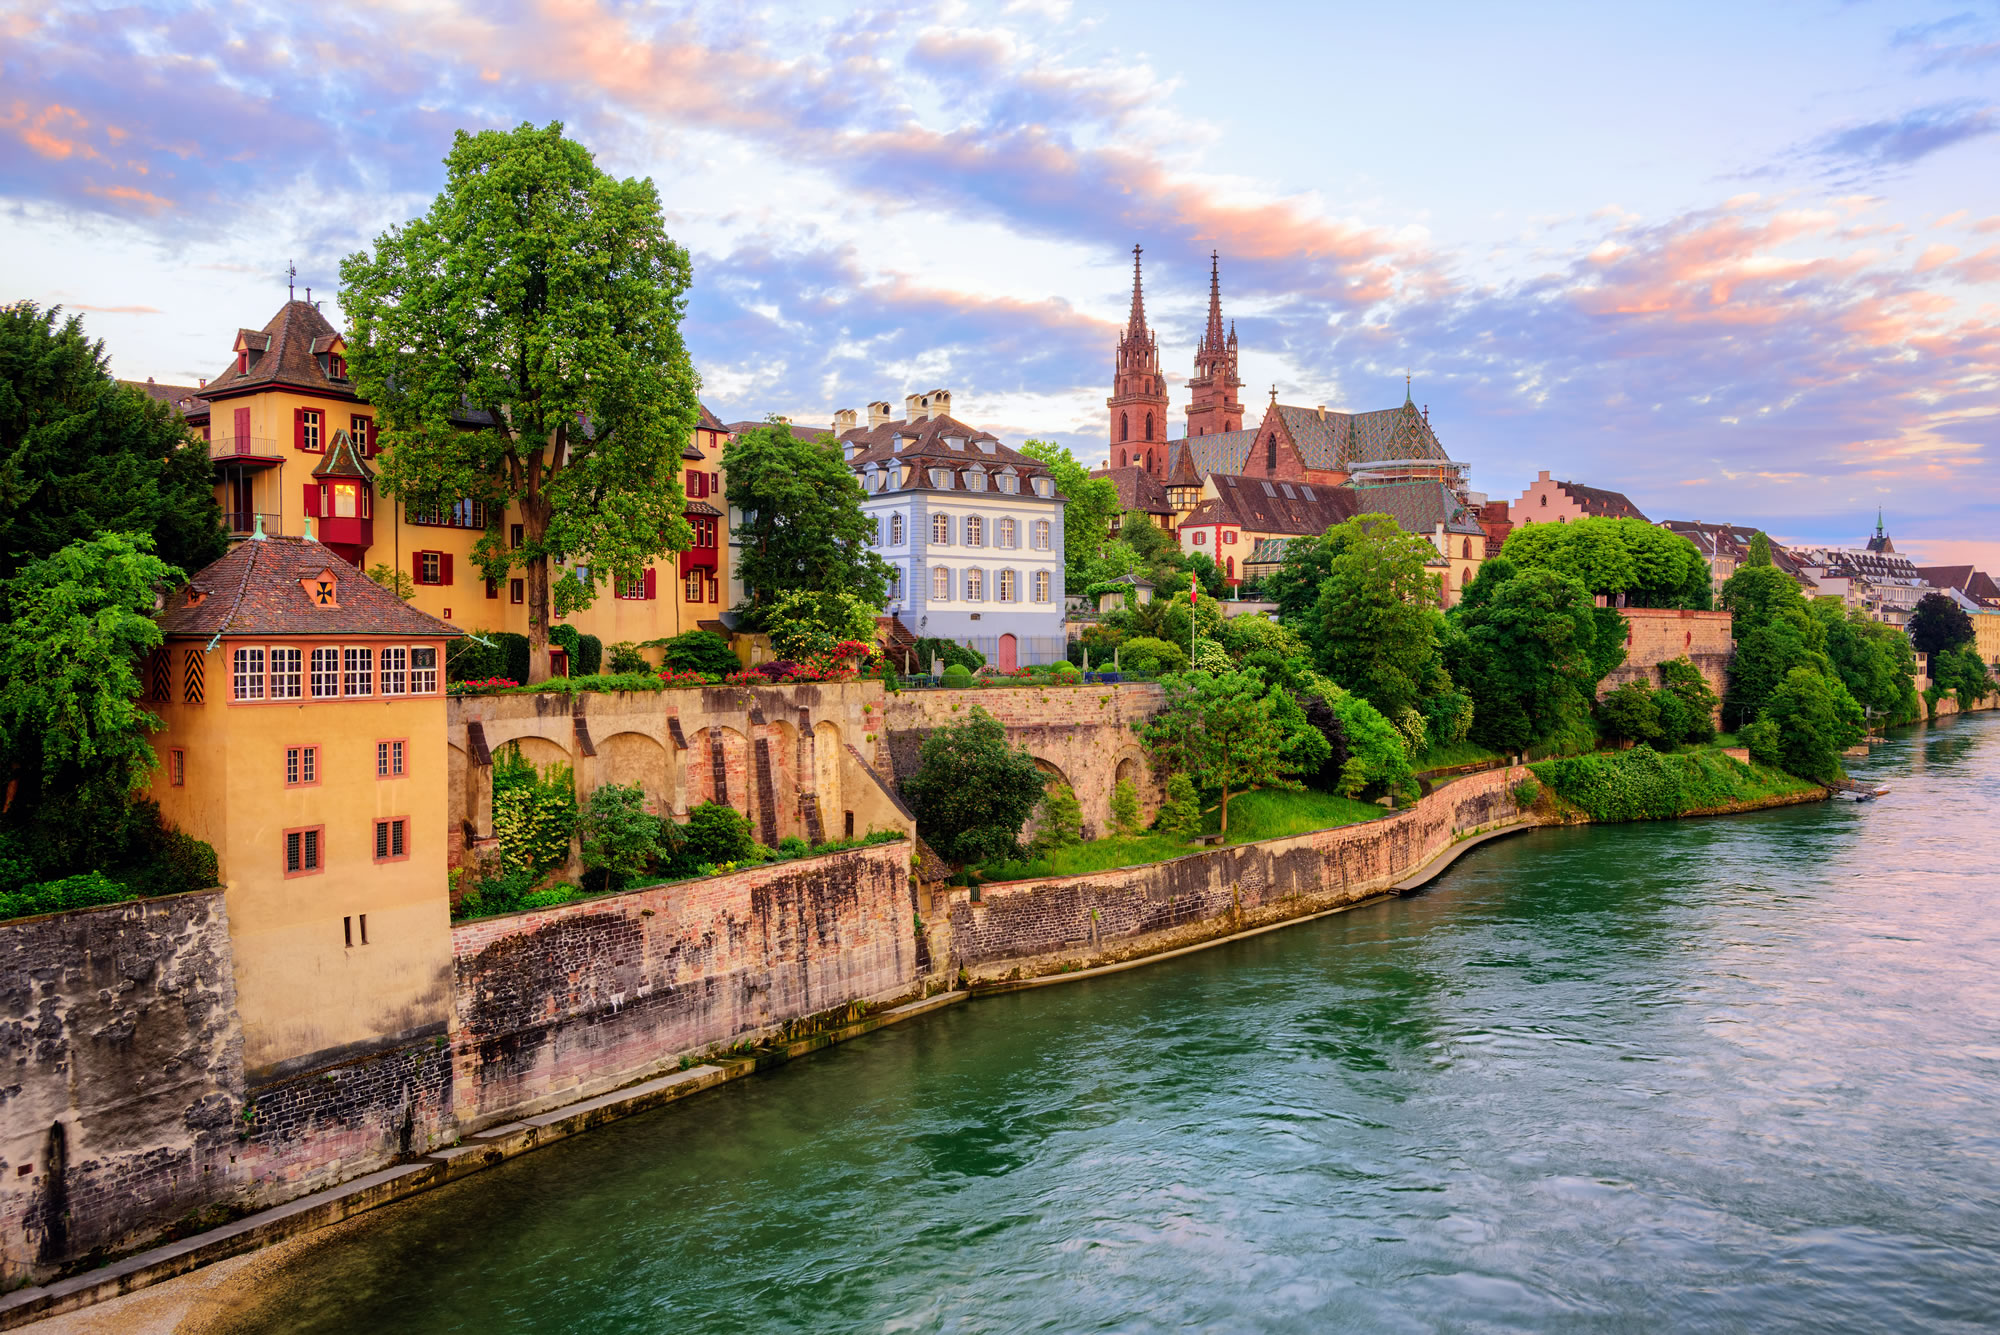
[{"x": 972, "y": 530}]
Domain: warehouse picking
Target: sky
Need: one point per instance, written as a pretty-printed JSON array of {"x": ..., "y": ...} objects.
[{"x": 1740, "y": 262}]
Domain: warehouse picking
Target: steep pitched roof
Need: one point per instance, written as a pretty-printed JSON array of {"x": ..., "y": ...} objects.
[
  {"x": 184, "y": 399},
  {"x": 288, "y": 345},
  {"x": 1137, "y": 489},
  {"x": 1339, "y": 441},
  {"x": 1732, "y": 542},
  {"x": 343, "y": 459},
  {"x": 1601, "y": 504},
  {"x": 1968, "y": 580},
  {"x": 1264, "y": 505},
  {"x": 925, "y": 442},
  {"x": 1419, "y": 507},
  {"x": 256, "y": 590},
  {"x": 1220, "y": 452},
  {"x": 1181, "y": 472}
]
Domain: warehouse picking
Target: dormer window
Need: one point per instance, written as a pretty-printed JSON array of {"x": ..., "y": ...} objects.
[
  {"x": 975, "y": 481},
  {"x": 941, "y": 477},
  {"x": 336, "y": 366},
  {"x": 1044, "y": 487}
]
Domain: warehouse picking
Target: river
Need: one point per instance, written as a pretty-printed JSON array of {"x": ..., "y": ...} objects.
[{"x": 1730, "y": 1074}]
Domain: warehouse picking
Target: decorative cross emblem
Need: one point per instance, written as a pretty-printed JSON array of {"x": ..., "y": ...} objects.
[{"x": 323, "y": 592}]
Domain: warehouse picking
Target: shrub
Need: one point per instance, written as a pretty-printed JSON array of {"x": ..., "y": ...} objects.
[
  {"x": 699, "y": 651},
  {"x": 534, "y": 812},
  {"x": 1180, "y": 814},
  {"x": 1061, "y": 818},
  {"x": 1067, "y": 674},
  {"x": 620, "y": 837},
  {"x": 625, "y": 657},
  {"x": 1212, "y": 657},
  {"x": 957, "y": 677},
  {"x": 1125, "y": 808},
  {"x": 480, "y": 656},
  {"x": 951, "y": 651},
  {"x": 714, "y": 834},
  {"x": 891, "y": 682},
  {"x": 1643, "y": 784},
  {"x": 972, "y": 791},
  {"x": 82, "y": 891},
  {"x": 1151, "y": 658},
  {"x": 1526, "y": 792},
  {"x": 514, "y": 652},
  {"x": 586, "y": 652},
  {"x": 791, "y": 846},
  {"x": 1630, "y": 713},
  {"x": 1447, "y": 717}
]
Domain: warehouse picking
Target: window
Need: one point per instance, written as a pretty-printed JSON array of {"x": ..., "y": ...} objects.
[
  {"x": 941, "y": 584},
  {"x": 1149, "y": 436},
  {"x": 307, "y": 428},
  {"x": 1269, "y": 492},
  {"x": 516, "y": 535},
  {"x": 325, "y": 673},
  {"x": 177, "y": 768},
  {"x": 395, "y": 671},
  {"x": 459, "y": 514},
  {"x": 191, "y": 676},
  {"x": 1271, "y": 453},
  {"x": 1007, "y": 533},
  {"x": 693, "y": 589},
  {"x": 1306, "y": 491},
  {"x": 246, "y": 678},
  {"x": 301, "y": 766},
  {"x": 1230, "y": 537},
  {"x": 1044, "y": 487},
  {"x": 975, "y": 531},
  {"x": 1124, "y": 427},
  {"x": 1465, "y": 549},
  {"x": 1041, "y": 535},
  {"x": 358, "y": 678},
  {"x": 941, "y": 478},
  {"x": 431, "y": 567},
  {"x": 423, "y": 670},
  {"x": 975, "y": 480},
  {"x": 517, "y": 591},
  {"x": 895, "y": 530},
  {"x": 1200, "y": 538},
  {"x": 347, "y": 928},
  {"x": 303, "y": 850},
  {"x": 975, "y": 585},
  {"x": 361, "y": 430},
  {"x": 1009, "y": 592},
  {"x": 941, "y": 529},
  {"x": 704, "y": 530},
  {"x": 1009, "y": 483},
  {"x": 895, "y": 582},
  {"x": 391, "y": 840},
  {"x": 1042, "y": 586},
  {"x": 285, "y": 674}
]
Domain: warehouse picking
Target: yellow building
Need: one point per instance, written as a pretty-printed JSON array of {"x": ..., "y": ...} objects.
[
  {"x": 305, "y": 740},
  {"x": 291, "y": 441}
]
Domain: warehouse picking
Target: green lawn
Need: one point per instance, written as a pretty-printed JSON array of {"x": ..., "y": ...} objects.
[
  {"x": 1266, "y": 813},
  {"x": 1452, "y": 754}
]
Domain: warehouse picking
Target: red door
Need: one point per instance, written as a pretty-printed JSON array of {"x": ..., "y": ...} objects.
[
  {"x": 1006, "y": 653},
  {"x": 242, "y": 445}
]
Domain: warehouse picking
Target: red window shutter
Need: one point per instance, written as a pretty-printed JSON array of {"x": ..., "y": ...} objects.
[
  {"x": 701, "y": 484},
  {"x": 444, "y": 568},
  {"x": 298, "y": 428},
  {"x": 417, "y": 566},
  {"x": 312, "y": 499},
  {"x": 652, "y": 587}
]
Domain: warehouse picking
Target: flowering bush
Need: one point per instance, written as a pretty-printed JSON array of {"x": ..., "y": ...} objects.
[
  {"x": 752, "y": 678},
  {"x": 675, "y": 677},
  {"x": 480, "y": 687}
]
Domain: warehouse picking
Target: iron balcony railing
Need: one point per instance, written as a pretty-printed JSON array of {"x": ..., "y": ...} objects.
[
  {"x": 243, "y": 522},
  {"x": 244, "y": 447}
]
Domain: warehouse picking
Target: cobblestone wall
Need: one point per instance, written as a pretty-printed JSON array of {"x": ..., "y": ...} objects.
[
  {"x": 562, "y": 1003},
  {"x": 1035, "y": 927}
]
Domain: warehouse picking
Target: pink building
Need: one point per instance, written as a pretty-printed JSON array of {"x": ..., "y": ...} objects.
[{"x": 1548, "y": 501}]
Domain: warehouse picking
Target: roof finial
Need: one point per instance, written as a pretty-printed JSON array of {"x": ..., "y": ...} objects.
[
  {"x": 1274, "y": 396},
  {"x": 1878, "y": 521},
  {"x": 309, "y": 528},
  {"x": 291, "y": 281},
  {"x": 1406, "y": 387},
  {"x": 257, "y": 533}
]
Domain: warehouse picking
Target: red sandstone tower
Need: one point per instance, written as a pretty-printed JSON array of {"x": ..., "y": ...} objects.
[
  {"x": 1138, "y": 399},
  {"x": 1214, "y": 407}
]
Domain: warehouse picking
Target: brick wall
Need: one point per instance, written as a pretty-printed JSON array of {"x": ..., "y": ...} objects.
[
  {"x": 1038, "y": 927},
  {"x": 563, "y": 1003},
  {"x": 1083, "y": 733}
]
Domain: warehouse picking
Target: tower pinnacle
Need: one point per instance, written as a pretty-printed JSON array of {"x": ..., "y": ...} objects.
[
  {"x": 1213, "y": 406},
  {"x": 1136, "y": 323},
  {"x": 1138, "y": 401}
]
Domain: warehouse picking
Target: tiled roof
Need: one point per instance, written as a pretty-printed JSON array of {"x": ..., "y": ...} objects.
[
  {"x": 256, "y": 590},
  {"x": 1972, "y": 582},
  {"x": 184, "y": 399},
  {"x": 1267, "y": 552},
  {"x": 343, "y": 459},
  {"x": 1338, "y": 441},
  {"x": 699, "y": 508},
  {"x": 923, "y": 442},
  {"x": 1220, "y": 452},
  {"x": 1418, "y": 507},
  {"x": 289, "y": 340},
  {"x": 1732, "y": 543},
  {"x": 1137, "y": 489},
  {"x": 1601, "y": 504},
  {"x": 798, "y": 432},
  {"x": 1181, "y": 472},
  {"x": 1261, "y": 505}
]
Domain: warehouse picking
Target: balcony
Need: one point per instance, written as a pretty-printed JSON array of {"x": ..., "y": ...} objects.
[
  {"x": 242, "y": 523},
  {"x": 258, "y": 450}
]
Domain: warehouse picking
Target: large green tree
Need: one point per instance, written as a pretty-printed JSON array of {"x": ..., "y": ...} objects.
[
  {"x": 81, "y": 454},
  {"x": 1874, "y": 660},
  {"x": 1375, "y": 624},
  {"x": 1805, "y": 724},
  {"x": 802, "y": 527},
  {"x": 972, "y": 792},
  {"x": 1294, "y": 585},
  {"x": 521, "y": 343},
  {"x": 1088, "y": 505},
  {"x": 1650, "y": 566},
  {"x": 1523, "y": 642},
  {"x": 1227, "y": 731},
  {"x": 1938, "y": 624}
]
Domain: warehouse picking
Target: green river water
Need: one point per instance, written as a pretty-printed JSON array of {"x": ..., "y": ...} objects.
[{"x": 1730, "y": 1074}]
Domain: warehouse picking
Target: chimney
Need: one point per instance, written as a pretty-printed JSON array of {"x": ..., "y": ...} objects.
[
  {"x": 878, "y": 413},
  {"x": 1542, "y": 476},
  {"x": 939, "y": 402},
  {"x": 844, "y": 421},
  {"x": 202, "y": 383},
  {"x": 915, "y": 408},
  {"x": 1322, "y": 412}
]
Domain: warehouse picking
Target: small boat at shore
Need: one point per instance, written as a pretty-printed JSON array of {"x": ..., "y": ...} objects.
[{"x": 1855, "y": 792}]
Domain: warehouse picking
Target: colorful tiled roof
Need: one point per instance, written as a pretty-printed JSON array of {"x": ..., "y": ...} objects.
[
  {"x": 1419, "y": 507},
  {"x": 1267, "y": 552},
  {"x": 1137, "y": 489},
  {"x": 287, "y": 356},
  {"x": 1337, "y": 442},
  {"x": 1265, "y": 505},
  {"x": 258, "y": 590}
]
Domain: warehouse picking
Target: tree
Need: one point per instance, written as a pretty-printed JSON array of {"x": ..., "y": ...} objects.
[
  {"x": 972, "y": 792},
  {"x": 81, "y": 454},
  {"x": 1088, "y": 504},
  {"x": 1687, "y": 704},
  {"x": 1875, "y": 661},
  {"x": 699, "y": 651},
  {"x": 1294, "y": 585},
  {"x": 521, "y": 344},
  {"x": 1374, "y": 626},
  {"x": 1630, "y": 713},
  {"x": 1765, "y": 656},
  {"x": 1524, "y": 643},
  {"x": 1807, "y": 723},
  {"x": 802, "y": 522},
  {"x": 1938, "y": 624},
  {"x": 619, "y": 836},
  {"x": 399, "y": 582},
  {"x": 1760, "y": 550},
  {"x": 1962, "y": 672},
  {"x": 1648, "y": 565},
  {"x": 1059, "y": 818},
  {"x": 1756, "y": 595},
  {"x": 807, "y": 624},
  {"x": 1223, "y": 731}
]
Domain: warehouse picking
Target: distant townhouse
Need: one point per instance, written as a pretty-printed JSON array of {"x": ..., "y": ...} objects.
[
  {"x": 1726, "y": 546},
  {"x": 972, "y": 530},
  {"x": 1875, "y": 579},
  {"x": 1548, "y": 501},
  {"x": 292, "y": 441},
  {"x": 1974, "y": 583}
]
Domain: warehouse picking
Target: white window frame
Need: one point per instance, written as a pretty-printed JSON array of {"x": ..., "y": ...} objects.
[
  {"x": 941, "y": 530},
  {"x": 1008, "y": 588},
  {"x": 246, "y": 675},
  {"x": 326, "y": 673},
  {"x": 1042, "y": 535},
  {"x": 941, "y": 584},
  {"x": 975, "y": 585},
  {"x": 896, "y": 530},
  {"x": 975, "y": 531}
]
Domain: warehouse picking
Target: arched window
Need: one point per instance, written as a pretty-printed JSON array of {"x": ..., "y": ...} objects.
[
  {"x": 1465, "y": 549},
  {"x": 1124, "y": 427},
  {"x": 941, "y": 584},
  {"x": 1271, "y": 453},
  {"x": 941, "y": 529},
  {"x": 1464, "y": 578},
  {"x": 1008, "y": 592},
  {"x": 1149, "y": 436},
  {"x": 1007, "y": 534},
  {"x": 1041, "y": 535},
  {"x": 1042, "y": 585},
  {"x": 895, "y": 530},
  {"x": 1545, "y": 502},
  {"x": 975, "y": 531},
  {"x": 975, "y": 585}
]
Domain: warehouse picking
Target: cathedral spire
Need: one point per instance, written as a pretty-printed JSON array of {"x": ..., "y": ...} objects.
[
  {"x": 1138, "y": 401},
  {"x": 1136, "y": 325},
  {"x": 1213, "y": 406},
  {"x": 1213, "y": 339}
]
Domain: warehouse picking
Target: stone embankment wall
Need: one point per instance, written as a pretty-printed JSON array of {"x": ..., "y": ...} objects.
[
  {"x": 564, "y": 1003},
  {"x": 1656, "y": 635},
  {"x": 1080, "y": 734},
  {"x": 1028, "y": 928},
  {"x": 125, "y": 1111}
]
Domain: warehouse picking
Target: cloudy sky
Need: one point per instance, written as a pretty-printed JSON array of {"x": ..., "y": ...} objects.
[{"x": 1739, "y": 261}]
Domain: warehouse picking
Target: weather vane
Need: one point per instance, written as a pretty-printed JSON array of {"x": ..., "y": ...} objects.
[{"x": 291, "y": 280}]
